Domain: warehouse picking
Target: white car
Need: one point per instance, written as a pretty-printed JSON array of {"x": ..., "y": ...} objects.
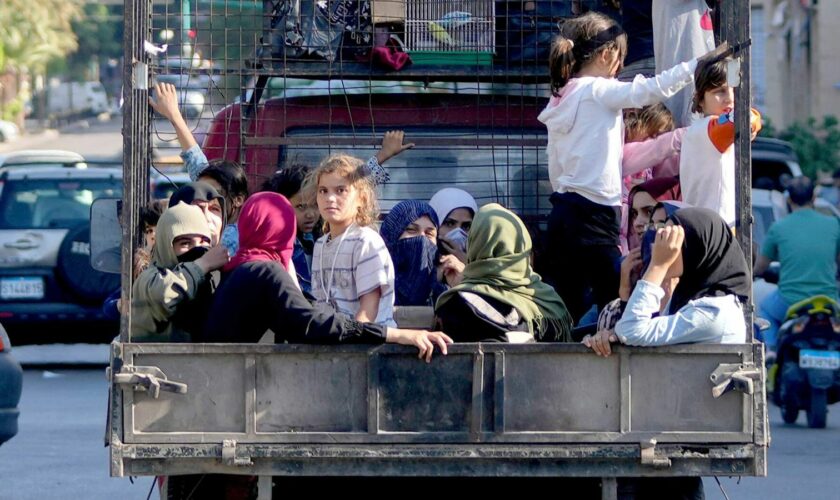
[
  {"x": 8, "y": 131},
  {"x": 45, "y": 158}
]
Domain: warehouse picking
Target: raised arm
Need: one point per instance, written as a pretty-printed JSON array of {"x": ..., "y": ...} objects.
[
  {"x": 392, "y": 145},
  {"x": 165, "y": 103},
  {"x": 642, "y": 155}
]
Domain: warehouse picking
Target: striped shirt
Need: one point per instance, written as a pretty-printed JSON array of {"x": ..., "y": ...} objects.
[{"x": 352, "y": 265}]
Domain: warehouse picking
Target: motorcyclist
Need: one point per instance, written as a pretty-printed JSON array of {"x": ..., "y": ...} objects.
[{"x": 807, "y": 246}]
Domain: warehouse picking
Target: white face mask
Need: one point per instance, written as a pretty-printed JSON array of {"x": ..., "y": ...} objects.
[{"x": 458, "y": 237}]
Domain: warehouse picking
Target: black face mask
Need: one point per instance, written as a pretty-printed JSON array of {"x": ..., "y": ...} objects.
[{"x": 192, "y": 254}]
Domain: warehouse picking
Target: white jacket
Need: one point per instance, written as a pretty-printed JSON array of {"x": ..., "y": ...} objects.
[{"x": 586, "y": 130}]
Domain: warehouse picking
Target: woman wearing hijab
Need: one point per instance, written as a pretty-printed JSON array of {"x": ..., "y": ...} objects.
[
  {"x": 697, "y": 247},
  {"x": 499, "y": 297},
  {"x": 640, "y": 203},
  {"x": 410, "y": 233},
  {"x": 171, "y": 296},
  {"x": 635, "y": 261},
  {"x": 455, "y": 209},
  {"x": 258, "y": 293}
]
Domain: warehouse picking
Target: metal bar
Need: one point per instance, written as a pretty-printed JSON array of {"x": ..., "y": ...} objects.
[
  {"x": 373, "y": 393},
  {"x": 499, "y": 437},
  {"x": 626, "y": 392},
  {"x": 475, "y": 450},
  {"x": 761, "y": 432},
  {"x": 736, "y": 29},
  {"x": 499, "y": 394},
  {"x": 137, "y": 146},
  {"x": 476, "y": 410},
  {"x": 264, "y": 488},
  {"x": 250, "y": 395},
  {"x": 362, "y": 141},
  {"x": 609, "y": 488},
  {"x": 465, "y": 348}
]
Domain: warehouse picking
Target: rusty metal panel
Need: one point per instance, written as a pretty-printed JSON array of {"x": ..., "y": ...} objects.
[
  {"x": 420, "y": 397},
  {"x": 318, "y": 393}
]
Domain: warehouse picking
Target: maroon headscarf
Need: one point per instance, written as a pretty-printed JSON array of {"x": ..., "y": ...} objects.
[
  {"x": 266, "y": 230},
  {"x": 660, "y": 189}
]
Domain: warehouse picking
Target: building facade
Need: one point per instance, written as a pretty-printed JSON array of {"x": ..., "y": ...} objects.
[{"x": 796, "y": 59}]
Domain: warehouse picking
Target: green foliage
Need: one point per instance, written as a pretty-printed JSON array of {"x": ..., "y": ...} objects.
[
  {"x": 34, "y": 33},
  {"x": 817, "y": 144},
  {"x": 13, "y": 109},
  {"x": 99, "y": 34}
]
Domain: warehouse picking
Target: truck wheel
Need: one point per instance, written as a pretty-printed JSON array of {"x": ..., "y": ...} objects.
[
  {"x": 817, "y": 409},
  {"x": 789, "y": 413}
]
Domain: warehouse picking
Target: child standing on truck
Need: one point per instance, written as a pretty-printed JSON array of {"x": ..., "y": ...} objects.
[
  {"x": 585, "y": 140},
  {"x": 707, "y": 161},
  {"x": 351, "y": 267}
]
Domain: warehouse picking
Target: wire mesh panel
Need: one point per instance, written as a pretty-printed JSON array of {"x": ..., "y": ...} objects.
[{"x": 275, "y": 82}]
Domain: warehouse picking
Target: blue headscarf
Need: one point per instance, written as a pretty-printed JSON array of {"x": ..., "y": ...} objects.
[{"x": 414, "y": 258}]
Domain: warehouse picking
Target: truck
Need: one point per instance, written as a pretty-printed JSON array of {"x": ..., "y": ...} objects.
[{"x": 522, "y": 411}]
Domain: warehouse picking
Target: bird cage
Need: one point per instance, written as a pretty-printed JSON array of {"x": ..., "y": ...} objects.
[{"x": 450, "y": 31}]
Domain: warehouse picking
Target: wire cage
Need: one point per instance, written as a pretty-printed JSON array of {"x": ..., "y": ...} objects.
[
  {"x": 439, "y": 31},
  {"x": 273, "y": 83}
]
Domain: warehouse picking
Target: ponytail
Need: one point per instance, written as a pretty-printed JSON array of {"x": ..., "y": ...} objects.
[
  {"x": 580, "y": 39},
  {"x": 561, "y": 63}
]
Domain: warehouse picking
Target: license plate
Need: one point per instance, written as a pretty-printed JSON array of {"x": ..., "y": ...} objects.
[
  {"x": 821, "y": 360},
  {"x": 21, "y": 288}
]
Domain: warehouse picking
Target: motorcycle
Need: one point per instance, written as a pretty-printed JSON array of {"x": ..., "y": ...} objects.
[{"x": 806, "y": 371}]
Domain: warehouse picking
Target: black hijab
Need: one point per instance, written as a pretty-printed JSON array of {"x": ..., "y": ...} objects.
[
  {"x": 200, "y": 191},
  {"x": 713, "y": 263}
]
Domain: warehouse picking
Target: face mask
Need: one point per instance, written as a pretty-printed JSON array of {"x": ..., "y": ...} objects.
[
  {"x": 192, "y": 254},
  {"x": 458, "y": 237},
  {"x": 647, "y": 248},
  {"x": 414, "y": 260}
]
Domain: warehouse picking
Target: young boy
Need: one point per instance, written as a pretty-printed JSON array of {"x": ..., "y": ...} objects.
[
  {"x": 707, "y": 160},
  {"x": 170, "y": 298}
]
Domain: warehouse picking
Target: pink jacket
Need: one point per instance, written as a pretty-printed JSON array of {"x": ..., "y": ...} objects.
[{"x": 658, "y": 157}]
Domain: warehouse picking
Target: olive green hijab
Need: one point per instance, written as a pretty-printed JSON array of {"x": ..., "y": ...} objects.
[{"x": 499, "y": 266}]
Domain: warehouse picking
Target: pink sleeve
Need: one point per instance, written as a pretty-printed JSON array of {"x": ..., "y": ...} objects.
[{"x": 639, "y": 156}]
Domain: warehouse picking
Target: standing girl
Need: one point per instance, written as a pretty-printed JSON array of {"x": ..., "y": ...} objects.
[
  {"x": 585, "y": 139},
  {"x": 351, "y": 267}
]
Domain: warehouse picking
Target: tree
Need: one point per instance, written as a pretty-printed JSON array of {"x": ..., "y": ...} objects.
[
  {"x": 99, "y": 35},
  {"x": 33, "y": 33},
  {"x": 817, "y": 144}
]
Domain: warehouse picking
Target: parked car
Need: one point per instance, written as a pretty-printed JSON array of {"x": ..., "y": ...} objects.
[
  {"x": 67, "y": 99},
  {"x": 772, "y": 160},
  {"x": 42, "y": 158},
  {"x": 11, "y": 381},
  {"x": 45, "y": 275},
  {"x": 8, "y": 131}
]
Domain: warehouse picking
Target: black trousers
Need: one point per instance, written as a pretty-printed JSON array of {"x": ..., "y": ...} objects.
[{"x": 582, "y": 252}]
